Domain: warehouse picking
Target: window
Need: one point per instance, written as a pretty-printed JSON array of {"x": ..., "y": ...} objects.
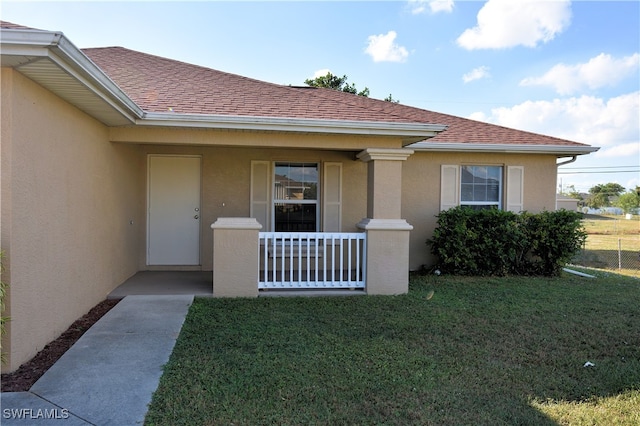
[
  {"x": 295, "y": 197},
  {"x": 286, "y": 196},
  {"x": 481, "y": 187}
]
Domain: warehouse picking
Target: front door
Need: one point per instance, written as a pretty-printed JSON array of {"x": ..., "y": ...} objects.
[{"x": 173, "y": 234}]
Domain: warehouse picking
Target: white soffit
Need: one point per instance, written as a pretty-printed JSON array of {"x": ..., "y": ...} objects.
[
  {"x": 53, "y": 62},
  {"x": 49, "y": 75}
]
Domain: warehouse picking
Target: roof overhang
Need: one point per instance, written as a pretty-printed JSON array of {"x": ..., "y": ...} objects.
[
  {"x": 51, "y": 60},
  {"x": 558, "y": 150},
  {"x": 409, "y": 132}
]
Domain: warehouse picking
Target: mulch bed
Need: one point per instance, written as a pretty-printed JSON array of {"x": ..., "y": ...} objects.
[{"x": 28, "y": 373}]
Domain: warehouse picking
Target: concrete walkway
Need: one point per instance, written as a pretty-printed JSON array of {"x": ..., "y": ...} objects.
[{"x": 109, "y": 375}]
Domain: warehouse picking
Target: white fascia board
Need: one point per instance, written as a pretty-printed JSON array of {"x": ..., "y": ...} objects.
[
  {"x": 25, "y": 37},
  {"x": 503, "y": 148},
  {"x": 56, "y": 47},
  {"x": 284, "y": 124},
  {"x": 97, "y": 80},
  {"x": 24, "y": 46}
]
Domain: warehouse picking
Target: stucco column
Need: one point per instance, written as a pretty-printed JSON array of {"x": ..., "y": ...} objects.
[
  {"x": 387, "y": 233},
  {"x": 235, "y": 257},
  {"x": 384, "y": 181}
]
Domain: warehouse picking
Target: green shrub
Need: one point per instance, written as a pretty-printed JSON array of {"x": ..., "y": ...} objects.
[
  {"x": 496, "y": 242},
  {"x": 554, "y": 239},
  {"x": 3, "y": 319}
]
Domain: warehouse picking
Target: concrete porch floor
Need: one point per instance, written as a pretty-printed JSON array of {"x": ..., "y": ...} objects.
[
  {"x": 200, "y": 283},
  {"x": 154, "y": 283}
]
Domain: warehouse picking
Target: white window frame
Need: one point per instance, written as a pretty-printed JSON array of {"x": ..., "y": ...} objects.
[
  {"x": 501, "y": 180},
  {"x": 512, "y": 191},
  {"x": 275, "y": 201}
]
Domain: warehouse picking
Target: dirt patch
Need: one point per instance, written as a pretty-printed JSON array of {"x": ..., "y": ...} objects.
[{"x": 28, "y": 373}]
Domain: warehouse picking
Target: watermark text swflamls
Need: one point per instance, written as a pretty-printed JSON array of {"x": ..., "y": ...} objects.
[{"x": 35, "y": 414}]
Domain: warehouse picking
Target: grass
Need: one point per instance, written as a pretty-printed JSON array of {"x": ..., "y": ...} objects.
[
  {"x": 611, "y": 225},
  {"x": 479, "y": 351}
]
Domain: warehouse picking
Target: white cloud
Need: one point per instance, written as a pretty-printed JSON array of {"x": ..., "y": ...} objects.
[
  {"x": 382, "y": 48},
  {"x": 441, "y": 6},
  {"x": 476, "y": 74},
  {"x": 613, "y": 125},
  {"x": 417, "y": 6},
  {"x": 434, "y": 6},
  {"x": 600, "y": 71},
  {"x": 320, "y": 73},
  {"x": 629, "y": 150},
  {"x": 479, "y": 116},
  {"x": 509, "y": 23}
]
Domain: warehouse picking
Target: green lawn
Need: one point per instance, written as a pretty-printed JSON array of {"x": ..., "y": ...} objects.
[{"x": 480, "y": 351}]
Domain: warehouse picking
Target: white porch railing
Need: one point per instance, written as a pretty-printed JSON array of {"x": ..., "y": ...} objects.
[{"x": 311, "y": 260}]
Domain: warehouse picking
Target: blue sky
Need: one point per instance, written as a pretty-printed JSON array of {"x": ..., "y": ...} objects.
[{"x": 562, "y": 68}]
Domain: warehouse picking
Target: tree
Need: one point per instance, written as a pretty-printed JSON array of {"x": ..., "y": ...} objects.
[
  {"x": 572, "y": 192},
  {"x": 609, "y": 189},
  {"x": 629, "y": 202},
  {"x": 597, "y": 200},
  {"x": 390, "y": 99},
  {"x": 599, "y": 194},
  {"x": 334, "y": 82}
]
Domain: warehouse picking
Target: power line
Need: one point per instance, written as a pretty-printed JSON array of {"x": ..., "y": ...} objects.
[
  {"x": 601, "y": 172},
  {"x": 600, "y": 167}
]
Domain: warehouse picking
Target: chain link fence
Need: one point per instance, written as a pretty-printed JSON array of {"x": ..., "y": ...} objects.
[{"x": 612, "y": 244}]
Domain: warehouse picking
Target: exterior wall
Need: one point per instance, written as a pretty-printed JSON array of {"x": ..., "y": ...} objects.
[
  {"x": 242, "y": 139},
  {"x": 72, "y": 214},
  {"x": 226, "y": 180},
  {"x": 421, "y": 190}
]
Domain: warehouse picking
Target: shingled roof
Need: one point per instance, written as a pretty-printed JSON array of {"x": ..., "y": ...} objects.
[
  {"x": 160, "y": 84},
  {"x": 11, "y": 25}
]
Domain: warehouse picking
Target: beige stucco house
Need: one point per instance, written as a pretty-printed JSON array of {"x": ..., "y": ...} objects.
[{"x": 115, "y": 161}]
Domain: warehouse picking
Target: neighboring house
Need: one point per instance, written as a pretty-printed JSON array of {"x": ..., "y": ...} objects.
[
  {"x": 115, "y": 161},
  {"x": 567, "y": 203}
]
